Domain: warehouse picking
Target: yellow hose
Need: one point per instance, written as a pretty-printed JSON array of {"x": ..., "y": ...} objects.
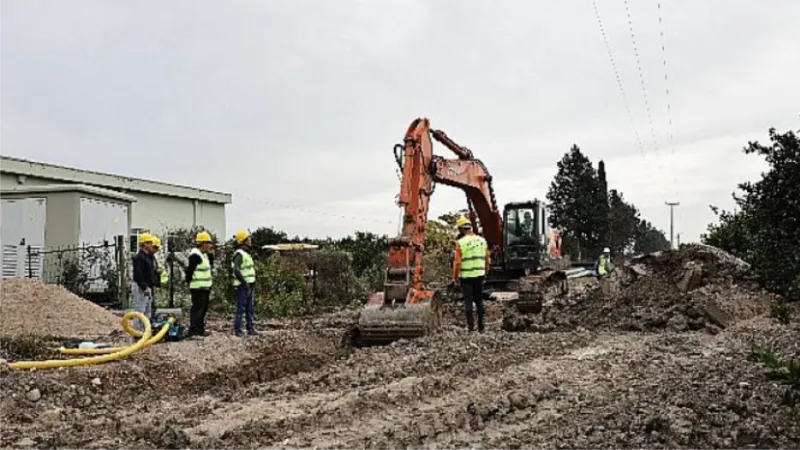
[
  {"x": 140, "y": 344},
  {"x": 128, "y": 329}
]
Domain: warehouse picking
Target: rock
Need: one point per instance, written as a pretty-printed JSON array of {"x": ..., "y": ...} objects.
[
  {"x": 34, "y": 395},
  {"x": 692, "y": 278},
  {"x": 173, "y": 438},
  {"x": 677, "y": 323},
  {"x": 96, "y": 381},
  {"x": 25, "y": 443},
  {"x": 716, "y": 315}
]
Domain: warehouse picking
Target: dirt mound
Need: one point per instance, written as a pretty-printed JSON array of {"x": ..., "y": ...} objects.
[
  {"x": 30, "y": 306},
  {"x": 696, "y": 287}
]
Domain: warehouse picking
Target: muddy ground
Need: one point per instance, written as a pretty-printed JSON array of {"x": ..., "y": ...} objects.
[
  {"x": 297, "y": 386},
  {"x": 661, "y": 358}
]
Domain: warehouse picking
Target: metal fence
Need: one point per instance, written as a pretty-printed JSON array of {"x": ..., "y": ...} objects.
[{"x": 95, "y": 272}]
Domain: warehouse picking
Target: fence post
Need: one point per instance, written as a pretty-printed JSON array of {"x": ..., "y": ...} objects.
[
  {"x": 171, "y": 283},
  {"x": 30, "y": 262},
  {"x": 119, "y": 242}
]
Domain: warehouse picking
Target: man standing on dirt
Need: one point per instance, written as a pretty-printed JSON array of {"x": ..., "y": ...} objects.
[
  {"x": 603, "y": 269},
  {"x": 244, "y": 280},
  {"x": 143, "y": 279},
  {"x": 470, "y": 265},
  {"x": 198, "y": 275}
]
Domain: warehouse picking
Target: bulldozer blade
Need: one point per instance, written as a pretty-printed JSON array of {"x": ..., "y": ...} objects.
[{"x": 380, "y": 324}]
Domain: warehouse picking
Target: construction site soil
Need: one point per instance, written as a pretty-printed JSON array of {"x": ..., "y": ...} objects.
[{"x": 593, "y": 382}]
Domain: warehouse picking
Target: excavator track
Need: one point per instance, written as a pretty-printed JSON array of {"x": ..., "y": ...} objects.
[{"x": 380, "y": 324}]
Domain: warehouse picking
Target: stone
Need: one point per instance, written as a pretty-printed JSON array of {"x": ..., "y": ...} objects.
[
  {"x": 96, "y": 381},
  {"x": 25, "y": 443},
  {"x": 34, "y": 395}
]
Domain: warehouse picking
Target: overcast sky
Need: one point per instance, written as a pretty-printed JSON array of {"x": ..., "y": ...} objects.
[{"x": 299, "y": 102}]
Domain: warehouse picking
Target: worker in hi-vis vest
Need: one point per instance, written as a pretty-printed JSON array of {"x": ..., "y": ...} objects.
[
  {"x": 470, "y": 265},
  {"x": 198, "y": 275},
  {"x": 244, "y": 280}
]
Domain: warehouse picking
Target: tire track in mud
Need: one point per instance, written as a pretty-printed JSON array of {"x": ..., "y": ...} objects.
[{"x": 357, "y": 411}]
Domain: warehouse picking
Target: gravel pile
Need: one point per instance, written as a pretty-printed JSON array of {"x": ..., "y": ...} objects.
[
  {"x": 31, "y": 307},
  {"x": 695, "y": 288}
]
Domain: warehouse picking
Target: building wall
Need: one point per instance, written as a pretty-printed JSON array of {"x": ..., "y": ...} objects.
[
  {"x": 152, "y": 212},
  {"x": 158, "y": 214},
  {"x": 61, "y": 216}
]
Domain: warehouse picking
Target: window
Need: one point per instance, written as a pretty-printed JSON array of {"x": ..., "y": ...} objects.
[{"x": 134, "y": 239}]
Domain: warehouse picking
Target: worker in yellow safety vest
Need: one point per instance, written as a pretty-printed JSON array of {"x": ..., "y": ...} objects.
[
  {"x": 198, "y": 275},
  {"x": 244, "y": 280},
  {"x": 470, "y": 265}
]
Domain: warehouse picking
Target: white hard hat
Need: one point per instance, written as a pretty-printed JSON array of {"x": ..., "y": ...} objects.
[{"x": 606, "y": 250}]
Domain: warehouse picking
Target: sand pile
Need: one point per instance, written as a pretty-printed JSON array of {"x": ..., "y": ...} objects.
[
  {"x": 30, "y": 306},
  {"x": 696, "y": 287}
]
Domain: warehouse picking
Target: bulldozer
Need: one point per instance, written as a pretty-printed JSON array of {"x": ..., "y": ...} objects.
[{"x": 517, "y": 236}]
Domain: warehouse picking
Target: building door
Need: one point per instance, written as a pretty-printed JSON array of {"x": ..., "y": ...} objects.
[{"x": 22, "y": 225}]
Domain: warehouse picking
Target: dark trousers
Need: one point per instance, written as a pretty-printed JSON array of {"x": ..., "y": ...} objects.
[
  {"x": 473, "y": 293},
  {"x": 197, "y": 314},
  {"x": 244, "y": 307}
]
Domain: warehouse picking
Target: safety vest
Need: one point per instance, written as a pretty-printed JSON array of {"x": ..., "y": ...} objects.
[
  {"x": 164, "y": 277},
  {"x": 473, "y": 256},
  {"x": 201, "y": 278},
  {"x": 247, "y": 268},
  {"x": 601, "y": 265}
]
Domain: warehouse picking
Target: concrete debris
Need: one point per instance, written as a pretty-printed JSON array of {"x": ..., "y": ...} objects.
[{"x": 695, "y": 287}]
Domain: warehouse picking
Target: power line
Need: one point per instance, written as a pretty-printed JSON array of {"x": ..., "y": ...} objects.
[
  {"x": 314, "y": 211},
  {"x": 641, "y": 76},
  {"x": 666, "y": 89},
  {"x": 616, "y": 75}
]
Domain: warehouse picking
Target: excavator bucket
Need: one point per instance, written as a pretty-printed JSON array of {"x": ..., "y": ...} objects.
[
  {"x": 381, "y": 324},
  {"x": 536, "y": 290}
]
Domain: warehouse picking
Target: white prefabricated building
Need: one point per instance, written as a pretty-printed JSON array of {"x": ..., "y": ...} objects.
[{"x": 52, "y": 218}]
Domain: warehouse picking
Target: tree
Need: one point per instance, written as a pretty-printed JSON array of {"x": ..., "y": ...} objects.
[
  {"x": 649, "y": 239},
  {"x": 623, "y": 219},
  {"x": 577, "y": 202},
  {"x": 603, "y": 202},
  {"x": 766, "y": 229}
]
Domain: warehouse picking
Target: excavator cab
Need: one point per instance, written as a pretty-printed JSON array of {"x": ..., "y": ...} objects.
[{"x": 523, "y": 237}]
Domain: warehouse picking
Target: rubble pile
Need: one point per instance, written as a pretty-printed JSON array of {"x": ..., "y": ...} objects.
[
  {"x": 697, "y": 287},
  {"x": 29, "y": 306}
]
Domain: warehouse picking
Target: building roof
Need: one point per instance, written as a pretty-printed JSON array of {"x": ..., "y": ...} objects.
[
  {"x": 55, "y": 172},
  {"x": 49, "y": 188}
]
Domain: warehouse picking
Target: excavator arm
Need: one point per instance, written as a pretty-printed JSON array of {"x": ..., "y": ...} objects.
[{"x": 382, "y": 320}]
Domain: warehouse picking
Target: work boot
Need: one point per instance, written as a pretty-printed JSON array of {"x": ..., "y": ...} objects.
[
  {"x": 470, "y": 322},
  {"x": 205, "y": 333},
  {"x": 253, "y": 333},
  {"x": 238, "y": 333}
]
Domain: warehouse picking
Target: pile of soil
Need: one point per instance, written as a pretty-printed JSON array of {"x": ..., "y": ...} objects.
[
  {"x": 693, "y": 288},
  {"x": 30, "y": 306}
]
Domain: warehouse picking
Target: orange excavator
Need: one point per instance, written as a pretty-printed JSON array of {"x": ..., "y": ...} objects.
[{"x": 517, "y": 238}]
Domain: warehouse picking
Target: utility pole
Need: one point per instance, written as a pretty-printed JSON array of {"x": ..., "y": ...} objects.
[
  {"x": 679, "y": 238},
  {"x": 672, "y": 206}
]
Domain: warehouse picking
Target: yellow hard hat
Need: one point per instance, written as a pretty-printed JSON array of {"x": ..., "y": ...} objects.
[
  {"x": 145, "y": 237},
  {"x": 156, "y": 241},
  {"x": 241, "y": 236},
  {"x": 463, "y": 222},
  {"x": 202, "y": 236}
]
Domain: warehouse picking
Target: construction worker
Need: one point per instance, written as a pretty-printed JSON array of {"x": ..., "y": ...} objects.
[
  {"x": 603, "y": 269},
  {"x": 143, "y": 279},
  {"x": 470, "y": 265},
  {"x": 244, "y": 280},
  {"x": 603, "y": 266},
  {"x": 162, "y": 275},
  {"x": 198, "y": 275}
]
